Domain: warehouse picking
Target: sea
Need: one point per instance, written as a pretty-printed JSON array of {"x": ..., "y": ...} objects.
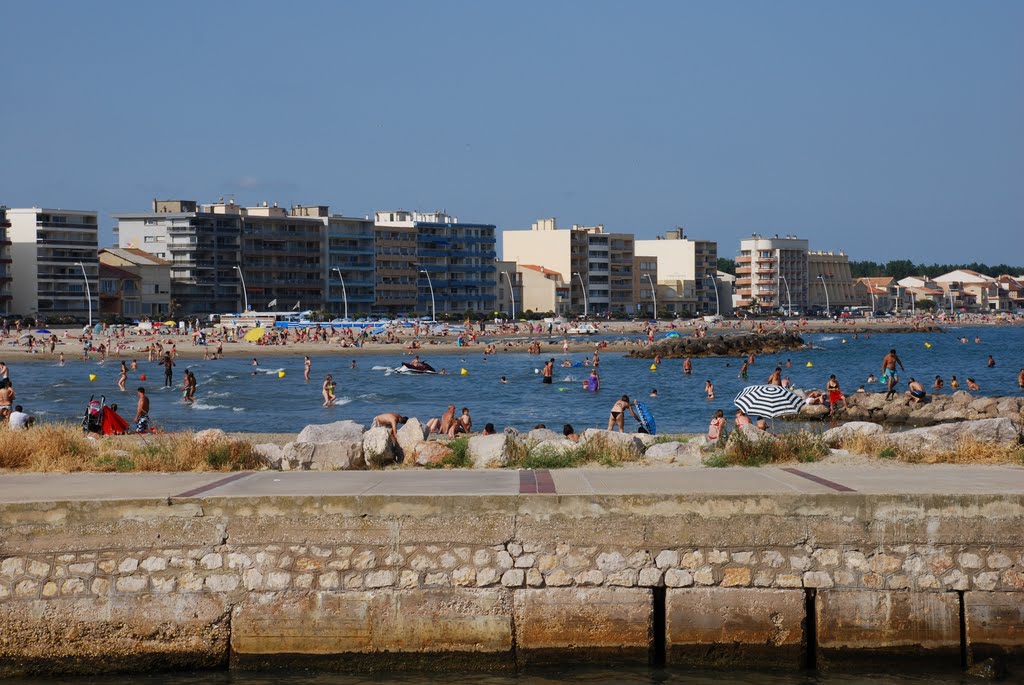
[{"x": 504, "y": 389}]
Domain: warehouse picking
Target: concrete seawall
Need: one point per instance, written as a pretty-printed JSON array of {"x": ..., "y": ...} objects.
[{"x": 764, "y": 581}]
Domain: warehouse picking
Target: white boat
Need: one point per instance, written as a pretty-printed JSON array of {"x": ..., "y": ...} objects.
[{"x": 582, "y": 329}]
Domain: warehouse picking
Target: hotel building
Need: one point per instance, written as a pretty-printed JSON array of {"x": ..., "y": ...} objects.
[
  {"x": 771, "y": 273},
  {"x": 685, "y": 268},
  {"x": 50, "y": 249}
]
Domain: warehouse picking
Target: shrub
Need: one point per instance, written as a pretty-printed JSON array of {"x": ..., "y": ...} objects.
[{"x": 799, "y": 446}]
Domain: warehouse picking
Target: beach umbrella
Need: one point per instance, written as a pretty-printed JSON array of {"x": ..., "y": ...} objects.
[
  {"x": 170, "y": 323},
  {"x": 768, "y": 400},
  {"x": 254, "y": 335},
  {"x": 43, "y": 331}
]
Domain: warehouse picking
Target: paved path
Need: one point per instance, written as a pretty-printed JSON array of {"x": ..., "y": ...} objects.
[{"x": 802, "y": 478}]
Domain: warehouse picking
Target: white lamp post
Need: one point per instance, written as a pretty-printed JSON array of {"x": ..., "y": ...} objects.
[
  {"x": 718, "y": 304},
  {"x": 789, "y": 300},
  {"x": 245, "y": 295},
  {"x": 584, "y": 286},
  {"x": 344, "y": 295},
  {"x": 88, "y": 293},
  {"x": 654, "y": 294},
  {"x": 828, "y": 310},
  {"x": 511, "y": 294},
  {"x": 433, "y": 308}
]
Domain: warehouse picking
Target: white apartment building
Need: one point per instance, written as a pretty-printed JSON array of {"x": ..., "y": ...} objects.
[
  {"x": 771, "y": 273},
  {"x": 972, "y": 291},
  {"x": 686, "y": 267},
  {"x": 54, "y": 251},
  {"x": 596, "y": 265},
  {"x": 830, "y": 282}
]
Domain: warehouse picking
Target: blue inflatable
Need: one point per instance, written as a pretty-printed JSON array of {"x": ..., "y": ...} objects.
[{"x": 646, "y": 418}]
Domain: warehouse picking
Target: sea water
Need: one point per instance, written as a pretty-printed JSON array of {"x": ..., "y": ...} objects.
[{"x": 235, "y": 396}]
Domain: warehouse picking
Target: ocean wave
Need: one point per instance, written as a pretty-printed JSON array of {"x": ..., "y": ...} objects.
[{"x": 199, "y": 406}]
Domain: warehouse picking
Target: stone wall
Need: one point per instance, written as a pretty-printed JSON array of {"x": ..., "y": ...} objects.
[{"x": 393, "y": 582}]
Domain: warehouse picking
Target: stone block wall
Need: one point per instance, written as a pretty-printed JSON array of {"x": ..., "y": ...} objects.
[{"x": 763, "y": 581}]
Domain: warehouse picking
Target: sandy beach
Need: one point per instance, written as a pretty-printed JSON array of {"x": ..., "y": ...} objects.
[{"x": 135, "y": 345}]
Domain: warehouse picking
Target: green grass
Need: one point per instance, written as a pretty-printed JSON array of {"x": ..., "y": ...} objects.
[{"x": 459, "y": 458}]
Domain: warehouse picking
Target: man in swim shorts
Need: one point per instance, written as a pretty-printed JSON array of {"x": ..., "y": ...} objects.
[
  {"x": 389, "y": 420},
  {"x": 916, "y": 391}
]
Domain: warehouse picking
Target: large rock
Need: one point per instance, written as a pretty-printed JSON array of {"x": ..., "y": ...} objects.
[
  {"x": 852, "y": 429},
  {"x": 751, "y": 433},
  {"x": 542, "y": 434},
  {"x": 430, "y": 453},
  {"x": 680, "y": 453},
  {"x": 814, "y": 411},
  {"x": 332, "y": 432},
  {"x": 297, "y": 455},
  {"x": 613, "y": 440},
  {"x": 410, "y": 436},
  {"x": 1001, "y": 430},
  {"x": 489, "y": 451},
  {"x": 270, "y": 452},
  {"x": 379, "y": 448},
  {"x": 209, "y": 436},
  {"x": 338, "y": 456},
  {"x": 556, "y": 446}
]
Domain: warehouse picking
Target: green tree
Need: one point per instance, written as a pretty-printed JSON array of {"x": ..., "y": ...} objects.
[{"x": 727, "y": 265}]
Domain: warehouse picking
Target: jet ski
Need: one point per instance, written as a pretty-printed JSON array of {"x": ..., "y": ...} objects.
[{"x": 422, "y": 367}]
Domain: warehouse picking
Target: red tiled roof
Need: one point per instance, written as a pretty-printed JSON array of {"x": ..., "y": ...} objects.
[{"x": 541, "y": 269}]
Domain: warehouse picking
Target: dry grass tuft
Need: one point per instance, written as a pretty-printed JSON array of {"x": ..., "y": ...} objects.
[
  {"x": 63, "y": 448},
  {"x": 800, "y": 446},
  {"x": 966, "y": 450}
]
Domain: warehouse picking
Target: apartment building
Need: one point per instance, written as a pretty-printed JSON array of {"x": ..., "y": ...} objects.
[
  {"x": 454, "y": 259},
  {"x": 597, "y": 265},
  {"x": 351, "y": 265},
  {"x": 915, "y": 289},
  {"x": 282, "y": 257},
  {"x": 772, "y": 273},
  {"x": 687, "y": 267},
  {"x": 971, "y": 291},
  {"x": 203, "y": 246},
  {"x": 544, "y": 290},
  {"x": 5, "y": 264},
  {"x": 54, "y": 263},
  {"x": 508, "y": 288},
  {"x": 829, "y": 281},
  {"x": 152, "y": 276}
]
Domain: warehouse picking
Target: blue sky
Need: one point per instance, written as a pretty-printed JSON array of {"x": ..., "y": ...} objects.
[{"x": 885, "y": 129}]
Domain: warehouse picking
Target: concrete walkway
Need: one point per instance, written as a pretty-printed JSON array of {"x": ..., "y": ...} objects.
[{"x": 802, "y": 478}]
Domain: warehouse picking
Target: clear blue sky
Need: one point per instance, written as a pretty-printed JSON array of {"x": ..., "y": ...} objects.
[{"x": 885, "y": 129}]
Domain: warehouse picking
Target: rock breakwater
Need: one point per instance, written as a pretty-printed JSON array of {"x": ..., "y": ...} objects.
[{"x": 721, "y": 346}]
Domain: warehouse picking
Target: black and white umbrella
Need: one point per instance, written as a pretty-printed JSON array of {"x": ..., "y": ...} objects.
[{"x": 768, "y": 400}]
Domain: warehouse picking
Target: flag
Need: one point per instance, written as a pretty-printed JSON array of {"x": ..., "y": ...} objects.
[
  {"x": 296, "y": 307},
  {"x": 271, "y": 303}
]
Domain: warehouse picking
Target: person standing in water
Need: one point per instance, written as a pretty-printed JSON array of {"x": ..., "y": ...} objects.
[
  {"x": 123, "y": 377},
  {"x": 306, "y": 364},
  {"x": 168, "y": 363},
  {"x": 889, "y": 375},
  {"x": 327, "y": 391}
]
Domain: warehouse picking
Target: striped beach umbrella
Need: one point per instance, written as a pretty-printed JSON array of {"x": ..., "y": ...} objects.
[{"x": 768, "y": 400}]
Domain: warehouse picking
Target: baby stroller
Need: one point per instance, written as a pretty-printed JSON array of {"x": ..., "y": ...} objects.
[{"x": 101, "y": 419}]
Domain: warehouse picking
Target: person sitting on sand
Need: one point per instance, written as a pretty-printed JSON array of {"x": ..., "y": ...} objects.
[
  {"x": 389, "y": 420},
  {"x": 463, "y": 424},
  {"x": 742, "y": 419},
  {"x": 761, "y": 424},
  {"x": 916, "y": 391},
  {"x": 814, "y": 397},
  {"x": 19, "y": 420}
]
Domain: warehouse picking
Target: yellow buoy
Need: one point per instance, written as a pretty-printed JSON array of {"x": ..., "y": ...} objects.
[
  {"x": 92, "y": 377},
  {"x": 654, "y": 367},
  {"x": 928, "y": 345},
  {"x": 844, "y": 341},
  {"x": 464, "y": 372},
  {"x": 809, "y": 365},
  {"x": 280, "y": 374}
]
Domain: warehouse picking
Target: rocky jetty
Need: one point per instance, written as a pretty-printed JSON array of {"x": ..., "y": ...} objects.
[
  {"x": 734, "y": 345},
  {"x": 900, "y": 410}
]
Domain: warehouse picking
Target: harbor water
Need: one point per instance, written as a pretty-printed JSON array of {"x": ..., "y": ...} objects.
[{"x": 236, "y": 396}]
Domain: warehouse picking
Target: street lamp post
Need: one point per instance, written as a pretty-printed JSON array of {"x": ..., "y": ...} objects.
[
  {"x": 433, "y": 307},
  {"x": 245, "y": 295},
  {"x": 584, "y": 286},
  {"x": 344, "y": 295},
  {"x": 789, "y": 300},
  {"x": 511, "y": 294},
  {"x": 88, "y": 293},
  {"x": 950, "y": 291},
  {"x": 828, "y": 310},
  {"x": 654, "y": 294},
  {"x": 718, "y": 303}
]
